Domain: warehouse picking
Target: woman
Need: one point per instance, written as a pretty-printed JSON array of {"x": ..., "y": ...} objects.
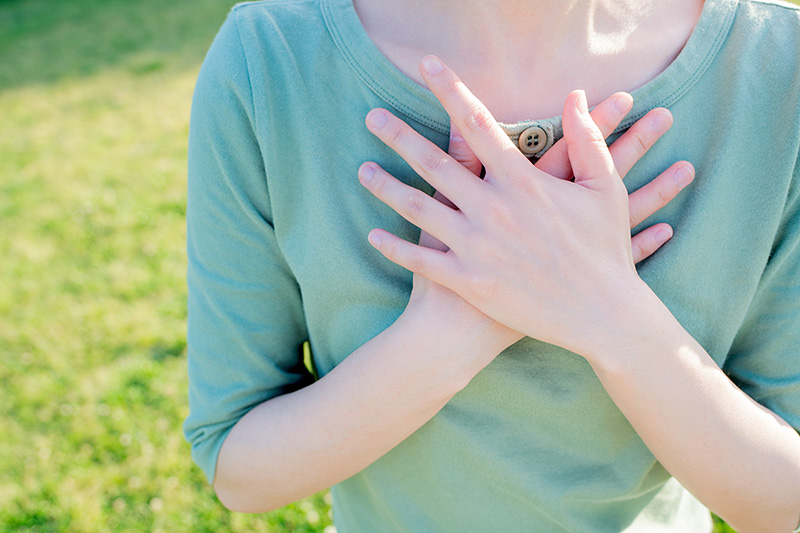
[{"x": 611, "y": 379}]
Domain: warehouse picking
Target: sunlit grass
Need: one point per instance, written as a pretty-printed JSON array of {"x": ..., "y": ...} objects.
[{"x": 94, "y": 100}]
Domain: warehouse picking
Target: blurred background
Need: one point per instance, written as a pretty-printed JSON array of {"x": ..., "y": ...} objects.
[{"x": 94, "y": 116}]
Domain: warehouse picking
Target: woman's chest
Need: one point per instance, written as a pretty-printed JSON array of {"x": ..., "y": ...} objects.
[{"x": 724, "y": 225}]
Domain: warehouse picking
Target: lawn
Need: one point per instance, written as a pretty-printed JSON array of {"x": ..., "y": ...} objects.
[
  {"x": 94, "y": 100},
  {"x": 94, "y": 107}
]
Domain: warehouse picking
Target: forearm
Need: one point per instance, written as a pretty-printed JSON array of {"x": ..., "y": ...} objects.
[
  {"x": 740, "y": 459},
  {"x": 297, "y": 444}
]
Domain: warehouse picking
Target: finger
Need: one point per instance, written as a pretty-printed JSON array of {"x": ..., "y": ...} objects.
[
  {"x": 461, "y": 152},
  {"x": 489, "y": 142},
  {"x": 607, "y": 115},
  {"x": 586, "y": 146},
  {"x": 651, "y": 197},
  {"x": 426, "y": 213},
  {"x": 436, "y": 167},
  {"x": 646, "y": 242},
  {"x": 429, "y": 263},
  {"x": 635, "y": 142}
]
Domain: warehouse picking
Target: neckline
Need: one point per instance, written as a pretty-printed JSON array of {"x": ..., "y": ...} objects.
[{"x": 418, "y": 103}]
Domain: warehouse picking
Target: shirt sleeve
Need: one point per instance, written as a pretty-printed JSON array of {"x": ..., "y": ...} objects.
[
  {"x": 245, "y": 324},
  {"x": 764, "y": 360}
]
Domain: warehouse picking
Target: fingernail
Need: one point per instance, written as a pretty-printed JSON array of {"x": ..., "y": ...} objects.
[
  {"x": 455, "y": 136},
  {"x": 622, "y": 103},
  {"x": 374, "y": 239},
  {"x": 661, "y": 121},
  {"x": 432, "y": 65},
  {"x": 684, "y": 175},
  {"x": 581, "y": 104},
  {"x": 366, "y": 172},
  {"x": 664, "y": 234},
  {"x": 376, "y": 118}
]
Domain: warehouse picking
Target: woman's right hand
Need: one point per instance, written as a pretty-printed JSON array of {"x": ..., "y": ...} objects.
[{"x": 626, "y": 152}]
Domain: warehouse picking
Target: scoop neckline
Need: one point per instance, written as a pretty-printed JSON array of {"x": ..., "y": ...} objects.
[{"x": 418, "y": 103}]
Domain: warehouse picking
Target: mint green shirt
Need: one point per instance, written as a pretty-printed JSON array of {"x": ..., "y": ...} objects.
[{"x": 278, "y": 255}]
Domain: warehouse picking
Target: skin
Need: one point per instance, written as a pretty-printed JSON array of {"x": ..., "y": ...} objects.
[
  {"x": 297, "y": 444},
  {"x": 738, "y": 458},
  {"x": 537, "y": 51},
  {"x": 633, "y": 144},
  {"x": 575, "y": 285}
]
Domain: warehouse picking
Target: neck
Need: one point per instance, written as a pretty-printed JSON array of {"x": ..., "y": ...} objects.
[
  {"x": 499, "y": 46},
  {"x": 553, "y": 23}
]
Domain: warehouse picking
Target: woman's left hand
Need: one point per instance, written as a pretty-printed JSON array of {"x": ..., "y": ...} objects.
[
  {"x": 546, "y": 257},
  {"x": 552, "y": 259}
]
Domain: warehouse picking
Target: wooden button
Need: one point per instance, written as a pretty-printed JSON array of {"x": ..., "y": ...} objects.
[{"x": 532, "y": 140}]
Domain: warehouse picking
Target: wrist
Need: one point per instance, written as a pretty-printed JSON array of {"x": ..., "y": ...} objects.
[
  {"x": 635, "y": 323},
  {"x": 463, "y": 339},
  {"x": 449, "y": 317}
]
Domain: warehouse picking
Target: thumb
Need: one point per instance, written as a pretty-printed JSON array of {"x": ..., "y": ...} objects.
[
  {"x": 461, "y": 152},
  {"x": 591, "y": 161}
]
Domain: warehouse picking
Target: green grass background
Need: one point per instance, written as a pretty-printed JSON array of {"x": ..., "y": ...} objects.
[{"x": 94, "y": 107}]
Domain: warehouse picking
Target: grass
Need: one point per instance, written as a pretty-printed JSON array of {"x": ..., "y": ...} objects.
[{"x": 94, "y": 100}]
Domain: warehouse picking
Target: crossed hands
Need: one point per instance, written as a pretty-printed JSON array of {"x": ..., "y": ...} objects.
[{"x": 539, "y": 250}]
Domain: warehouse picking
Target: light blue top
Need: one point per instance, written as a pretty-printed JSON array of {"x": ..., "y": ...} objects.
[{"x": 278, "y": 255}]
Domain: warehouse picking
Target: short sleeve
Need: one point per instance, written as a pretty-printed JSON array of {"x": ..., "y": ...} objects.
[
  {"x": 764, "y": 360},
  {"x": 245, "y": 325}
]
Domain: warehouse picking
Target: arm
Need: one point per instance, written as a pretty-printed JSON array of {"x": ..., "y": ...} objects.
[
  {"x": 738, "y": 457},
  {"x": 263, "y": 433},
  {"x": 339, "y": 425},
  {"x": 574, "y": 285},
  {"x": 299, "y": 443}
]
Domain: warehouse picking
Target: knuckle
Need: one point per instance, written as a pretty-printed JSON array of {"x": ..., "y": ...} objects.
[
  {"x": 663, "y": 195},
  {"x": 416, "y": 263},
  {"x": 389, "y": 249},
  {"x": 499, "y": 212},
  {"x": 588, "y": 141},
  {"x": 452, "y": 89},
  {"x": 587, "y": 133},
  {"x": 484, "y": 287},
  {"x": 633, "y": 214},
  {"x": 396, "y": 135},
  {"x": 415, "y": 205},
  {"x": 466, "y": 158},
  {"x": 637, "y": 250},
  {"x": 639, "y": 144},
  {"x": 377, "y": 185},
  {"x": 650, "y": 245},
  {"x": 432, "y": 161},
  {"x": 478, "y": 119},
  {"x": 594, "y": 136}
]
